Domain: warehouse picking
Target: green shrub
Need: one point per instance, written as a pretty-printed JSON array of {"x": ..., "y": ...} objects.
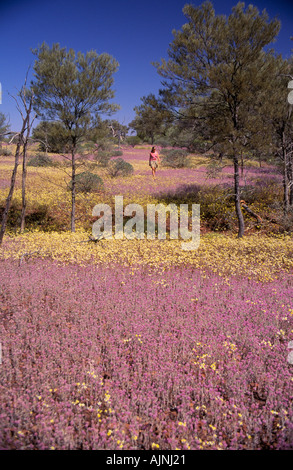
[
  {"x": 119, "y": 167},
  {"x": 87, "y": 182},
  {"x": 265, "y": 190},
  {"x": 133, "y": 140},
  {"x": 102, "y": 158},
  {"x": 116, "y": 153},
  {"x": 163, "y": 142},
  {"x": 175, "y": 158},
  {"x": 40, "y": 159},
  {"x": 5, "y": 152}
]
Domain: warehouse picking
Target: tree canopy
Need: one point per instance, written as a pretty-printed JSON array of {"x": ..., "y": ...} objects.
[
  {"x": 73, "y": 88},
  {"x": 218, "y": 70},
  {"x": 150, "y": 118}
]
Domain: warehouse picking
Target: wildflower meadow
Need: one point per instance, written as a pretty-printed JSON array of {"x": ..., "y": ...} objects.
[{"x": 134, "y": 344}]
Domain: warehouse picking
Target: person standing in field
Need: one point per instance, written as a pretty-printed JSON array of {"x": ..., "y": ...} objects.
[{"x": 154, "y": 161}]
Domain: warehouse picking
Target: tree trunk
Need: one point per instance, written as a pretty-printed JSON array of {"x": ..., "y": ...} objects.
[
  {"x": 242, "y": 164},
  {"x": 23, "y": 182},
  {"x": 73, "y": 189},
  {"x": 290, "y": 180},
  {"x": 13, "y": 179},
  {"x": 237, "y": 198},
  {"x": 285, "y": 180},
  {"x": 23, "y": 206}
]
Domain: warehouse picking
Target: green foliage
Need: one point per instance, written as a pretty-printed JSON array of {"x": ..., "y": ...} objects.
[
  {"x": 73, "y": 88},
  {"x": 120, "y": 167},
  {"x": 41, "y": 159},
  {"x": 4, "y": 127},
  {"x": 151, "y": 118},
  {"x": 265, "y": 192},
  {"x": 219, "y": 74},
  {"x": 116, "y": 131},
  {"x": 163, "y": 141},
  {"x": 102, "y": 158},
  {"x": 220, "y": 92},
  {"x": 87, "y": 182},
  {"x": 175, "y": 158},
  {"x": 5, "y": 152},
  {"x": 133, "y": 140},
  {"x": 36, "y": 216},
  {"x": 117, "y": 153},
  {"x": 51, "y": 136}
]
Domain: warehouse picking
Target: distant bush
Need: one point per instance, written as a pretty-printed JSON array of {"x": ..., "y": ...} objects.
[
  {"x": 5, "y": 152},
  {"x": 266, "y": 190},
  {"x": 133, "y": 140},
  {"x": 116, "y": 153},
  {"x": 119, "y": 167},
  {"x": 175, "y": 158},
  {"x": 102, "y": 158},
  {"x": 51, "y": 136},
  {"x": 217, "y": 211},
  {"x": 163, "y": 142},
  {"x": 87, "y": 182},
  {"x": 40, "y": 159}
]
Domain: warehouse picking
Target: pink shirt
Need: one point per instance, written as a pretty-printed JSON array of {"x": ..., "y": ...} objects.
[{"x": 154, "y": 155}]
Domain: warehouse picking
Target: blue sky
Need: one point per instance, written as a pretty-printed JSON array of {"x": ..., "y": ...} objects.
[{"x": 135, "y": 32}]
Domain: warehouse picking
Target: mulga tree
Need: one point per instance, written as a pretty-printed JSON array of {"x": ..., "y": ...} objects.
[
  {"x": 51, "y": 136},
  {"x": 4, "y": 128},
  {"x": 272, "y": 133},
  {"x": 282, "y": 122},
  {"x": 73, "y": 88},
  {"x": 150, "y": 118},
  {"x": 217, "y": 64},
  {"x": 25, "y": 108}
]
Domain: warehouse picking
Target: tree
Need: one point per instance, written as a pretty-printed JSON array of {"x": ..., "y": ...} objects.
[
  {"x": 27, "y": 99},
  {"x": 4, "y": 127},
  {"x": 217, "y": 66},
  {"x": 272, "y": 131},
  {"x": 150, "y": 117},
  {"x": 282, "y": 125},
  {"x": 118, "y": 131},
  {"x": 73, "y": 89},
  {"x": 51, "y": 136}
]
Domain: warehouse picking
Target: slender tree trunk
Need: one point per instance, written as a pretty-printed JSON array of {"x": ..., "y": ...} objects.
[
  {"x": 290, "y": 179},
  {"x": 23, "y": 182},
  {"x": 285, "y": 179},
  {"x": 73, "y": 188},
  {"x": 13, "y": 180},
  {"x": 239, "y": 214},
  {"x": 242, "y": 163}
]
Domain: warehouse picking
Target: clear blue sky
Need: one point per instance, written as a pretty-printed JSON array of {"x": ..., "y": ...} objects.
[{"x": 135, "y": 32}]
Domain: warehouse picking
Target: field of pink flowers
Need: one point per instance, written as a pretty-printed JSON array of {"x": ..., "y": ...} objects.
[
  {"x": 189, "y": 352},
  {"x": 128, "y": 357}
]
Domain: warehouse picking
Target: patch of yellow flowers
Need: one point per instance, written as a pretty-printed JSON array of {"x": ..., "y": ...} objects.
[{"x": 255, "y": 256}]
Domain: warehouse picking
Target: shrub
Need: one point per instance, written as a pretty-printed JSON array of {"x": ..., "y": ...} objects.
[
  {"x": 133, "y": 140},
  {"x": 120, "y": 167},
  {"x": 116, "y": 153},
  {"x": 37, "y": 216},
  {"x": 175, "y": 158},
  {"x": 163, "y": 142},
  {"x": 40, "y": 159},
  {"x": 102, "y": 158},
  {"x": 87, "y": 182},
  {"x": 265, "y": 190},
  {"x": 5, "y": 152}
]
